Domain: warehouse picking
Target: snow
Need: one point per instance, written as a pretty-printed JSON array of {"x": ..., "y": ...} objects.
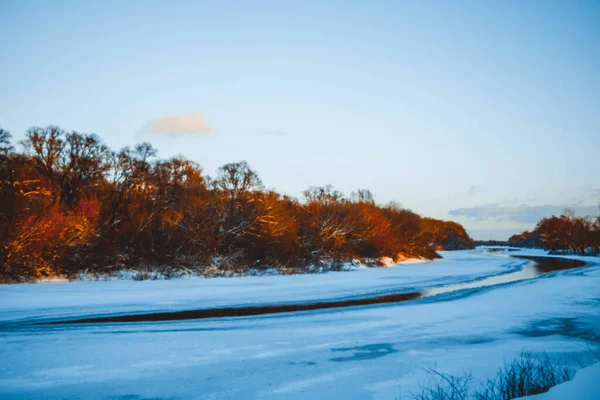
[
  {"x": 56, "y": 300},
  {"x": 585, "y": 386},
  {"x": 372, "y": 352},
  {"x": 413, "y": 261},
  {"x": 387, "y": 261}
]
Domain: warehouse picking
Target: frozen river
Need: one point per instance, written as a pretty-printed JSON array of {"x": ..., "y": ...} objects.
[{"x": 370, "y": 351}]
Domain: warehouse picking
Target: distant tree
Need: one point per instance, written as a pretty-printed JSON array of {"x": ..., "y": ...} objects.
[
  {"x": 569, "y": 213},
  {"x": 5, "y": 151},
  {"x": 525, "y": 239},
  {"x": 5, "y": 147},
  {"x": 564, "y": 233},
  {"x": 7, "y": 206},
  {"x": 322, "y": 194},
  {"x": 362, "y": 196}
]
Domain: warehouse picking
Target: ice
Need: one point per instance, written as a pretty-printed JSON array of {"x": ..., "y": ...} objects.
[
  {"x": 372, "y": 352},
  {"x": 60, "y": 299}
]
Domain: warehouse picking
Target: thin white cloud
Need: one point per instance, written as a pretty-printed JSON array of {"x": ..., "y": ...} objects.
[
  {"x": 192, "y": 124},
  {"x": 522, "y": 214}
]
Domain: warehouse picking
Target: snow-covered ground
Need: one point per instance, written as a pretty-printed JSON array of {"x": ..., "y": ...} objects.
[
  {"x": 51, "y": 300},
  {"x": 585, "y": 385},
  {"x": 376, "y": 352}
]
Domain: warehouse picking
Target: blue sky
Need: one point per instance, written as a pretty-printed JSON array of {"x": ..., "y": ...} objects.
[{"x": 487, "y": 113}]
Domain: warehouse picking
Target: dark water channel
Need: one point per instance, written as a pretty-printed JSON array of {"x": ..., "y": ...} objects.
[{"x": 538, "y": 266}]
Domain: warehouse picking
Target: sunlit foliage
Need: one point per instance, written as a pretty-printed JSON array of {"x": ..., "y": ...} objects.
[
  {"x": 70, "y": 205},
  {"x": 566, "y": 233}
]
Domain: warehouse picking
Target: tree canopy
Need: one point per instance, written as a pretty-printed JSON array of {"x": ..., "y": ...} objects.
[{"x": 70, "y": 205}]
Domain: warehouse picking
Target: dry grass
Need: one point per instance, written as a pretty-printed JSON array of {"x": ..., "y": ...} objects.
[
  {"x": 527, "y": 375},
  {"x": 444, "y": 387}
]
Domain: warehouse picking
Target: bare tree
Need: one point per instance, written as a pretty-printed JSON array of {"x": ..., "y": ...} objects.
[
  {"x": 237, "y": 179},
  {"x": 322, "y": 194},
  {"x": 45, "y": 145},
  {"x": 131, "y": 168},
  {"x": 362, "y": 196},
  {"x": 5, "y": 146},
  {"x": 74, "y": 162},
  {"x": 569, "y": 213}
]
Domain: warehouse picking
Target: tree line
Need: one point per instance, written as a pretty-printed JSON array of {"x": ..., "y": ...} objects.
[
  {"x": 69, "y": 204},
  {"x": 566, "y": 233}
]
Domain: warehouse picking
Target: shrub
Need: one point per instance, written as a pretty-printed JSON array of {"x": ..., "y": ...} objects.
[{"x": 527, "y": 375}]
